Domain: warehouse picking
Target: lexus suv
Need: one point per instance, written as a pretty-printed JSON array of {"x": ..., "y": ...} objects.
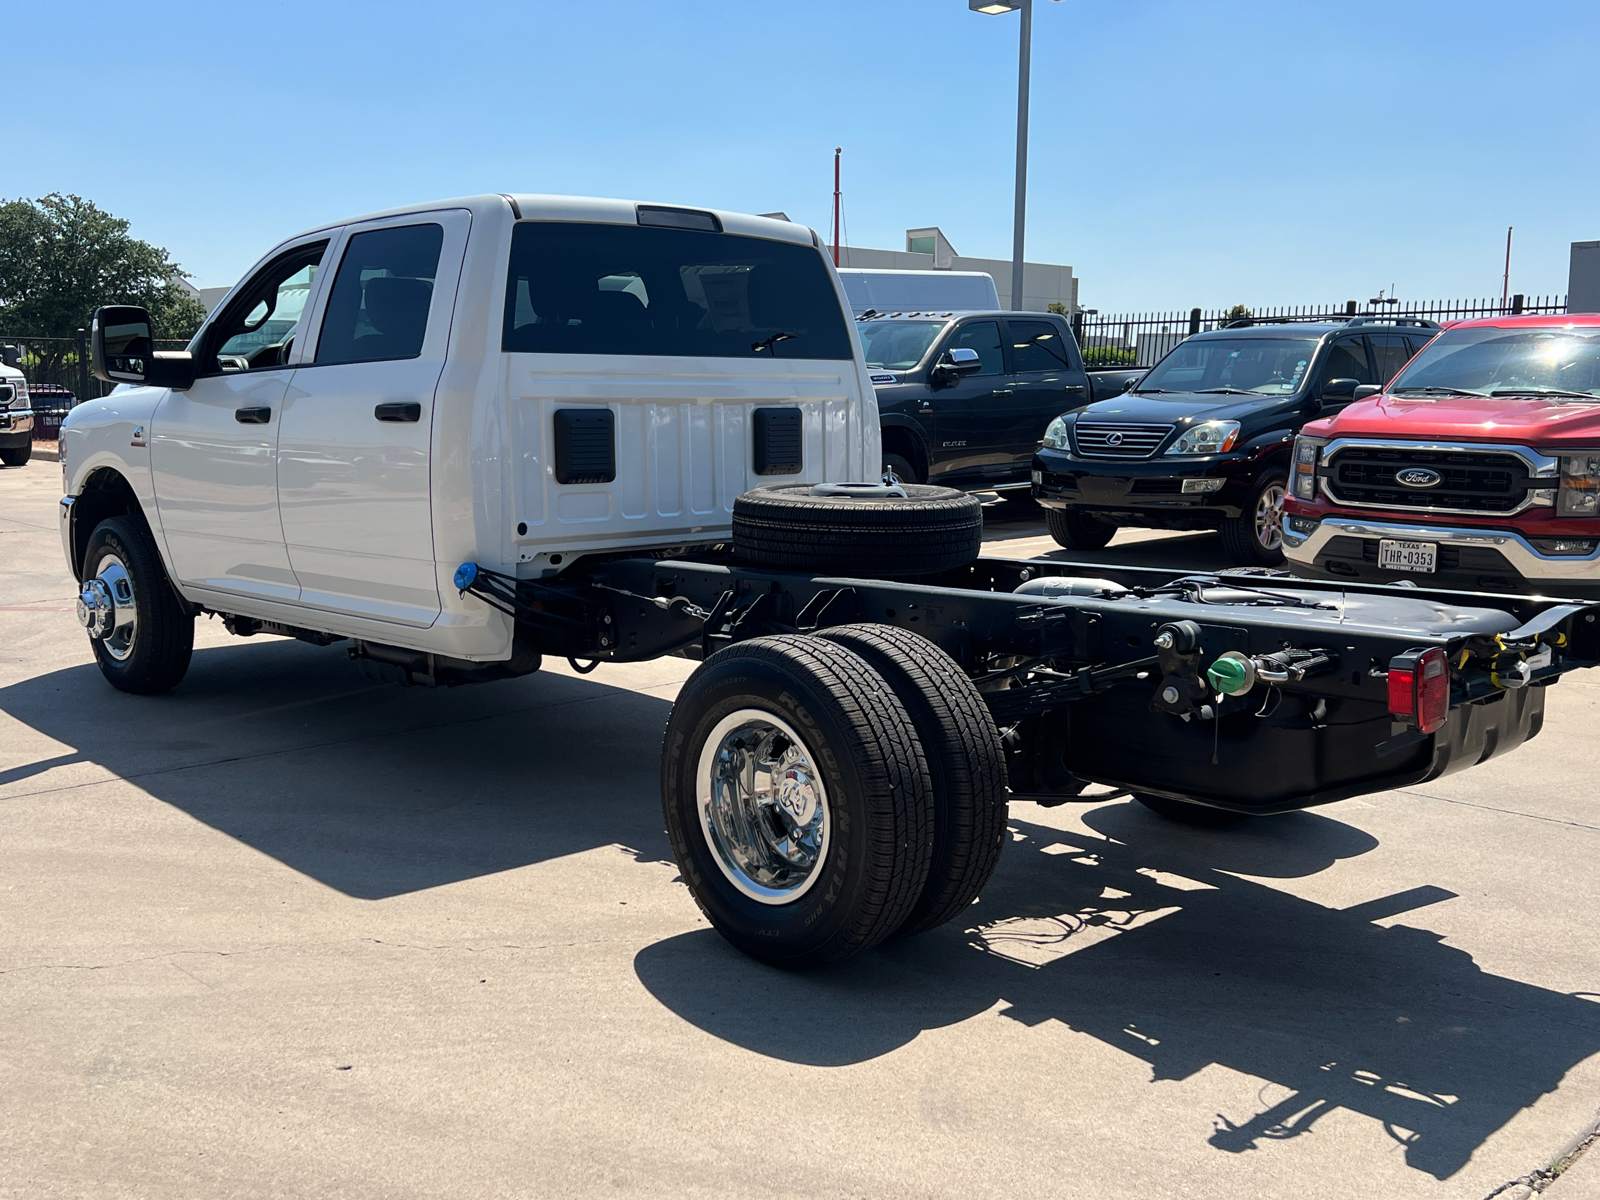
[
  {"x": 1478, "y": 468},
  {"x": 1203, "y": 440}
]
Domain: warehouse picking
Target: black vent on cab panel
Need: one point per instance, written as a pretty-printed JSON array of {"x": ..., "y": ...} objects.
[
  {"x": 777, "y": 441},
  {"x": 586, "y": 445}
]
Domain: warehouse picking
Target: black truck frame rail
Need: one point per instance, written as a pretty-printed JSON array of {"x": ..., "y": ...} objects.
[{"x": 1116, "y": 689}]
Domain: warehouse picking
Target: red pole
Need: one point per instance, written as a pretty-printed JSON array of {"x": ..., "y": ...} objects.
[
  {"x": 837, "y": 150},
  {"x": 1505, "y": 282}
]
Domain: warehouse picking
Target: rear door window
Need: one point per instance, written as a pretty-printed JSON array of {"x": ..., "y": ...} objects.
[
  {"x": 378, "y": 308},
  {"x": 577, "y": 288},
  {"x": 1038, "y": 346}
]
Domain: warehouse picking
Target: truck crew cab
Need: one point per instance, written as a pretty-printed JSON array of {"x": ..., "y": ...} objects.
[
  {"x": 1202, "y": 442},
  {"x": 964, "y": 397},
  {"x": 462, "y": 437},
  {"x": 1478, "y": 468}
]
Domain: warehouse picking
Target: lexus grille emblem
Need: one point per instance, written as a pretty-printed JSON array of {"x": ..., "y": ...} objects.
[
  {"x": 1418, "y": 477},
  {"x": 1113, "y": 439}
]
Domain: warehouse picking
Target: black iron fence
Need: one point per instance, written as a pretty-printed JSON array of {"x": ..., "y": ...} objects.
[
  {"x": 57, "y": 371},
  {"x": 1143, "y": 339}
]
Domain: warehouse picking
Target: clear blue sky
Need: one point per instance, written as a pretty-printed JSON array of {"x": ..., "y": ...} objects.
[{"x": 1183, "y": 152}]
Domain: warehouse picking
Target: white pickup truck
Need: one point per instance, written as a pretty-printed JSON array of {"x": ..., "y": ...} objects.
[{"x": 468, "y": 435}]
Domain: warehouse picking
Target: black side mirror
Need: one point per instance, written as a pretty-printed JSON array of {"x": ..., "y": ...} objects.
[
  {"x": 122, "y": 350},
  {"x": 1339, "y": 389},
  {"x": 11, "y": 356},
  {"x": 954, "y": 364},
  {"x": 1367, "y": 390}
]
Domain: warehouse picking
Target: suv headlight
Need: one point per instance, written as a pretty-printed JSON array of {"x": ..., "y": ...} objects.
[
  {"x": 1579, "y": 495},
  {"x": 1055, "y": 436},
  {"x": 1303, "y": 482},
  {"x": 1208, "y": 437}
]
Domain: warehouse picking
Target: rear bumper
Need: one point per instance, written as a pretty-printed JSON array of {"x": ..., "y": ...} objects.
[{"x": 1346, "y": 547}]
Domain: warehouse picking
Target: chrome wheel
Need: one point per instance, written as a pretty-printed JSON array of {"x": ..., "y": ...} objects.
[
  {"x": 106, "y": 607},
  {"x": 1269, "y": 517},
  {"x": 763, "y": 807}
]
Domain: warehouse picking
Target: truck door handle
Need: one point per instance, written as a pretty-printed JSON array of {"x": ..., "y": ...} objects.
[
  {"x": 1001, "y": 392},
  {"x": 1073, "y": 387},
  {"x": 252, "y": 416},
  {"x": 399, "y": 411}
]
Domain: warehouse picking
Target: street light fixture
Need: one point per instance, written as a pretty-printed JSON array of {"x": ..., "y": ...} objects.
[{"x": 1024, "y": 53}]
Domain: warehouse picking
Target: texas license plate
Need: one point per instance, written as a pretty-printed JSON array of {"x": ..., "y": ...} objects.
[{"x": 1421, "y": 557}]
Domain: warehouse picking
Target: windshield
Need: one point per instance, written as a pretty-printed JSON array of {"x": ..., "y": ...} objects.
[
  {"x": 1262, "y": 366},
  {"x": 1498, "y": 362},
  {"x": 897, "y": 345}
]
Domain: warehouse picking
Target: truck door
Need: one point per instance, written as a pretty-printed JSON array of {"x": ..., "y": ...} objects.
[
  {"x": 214, "y": 448},
  {"x": 971, "y": 418},
  {"x": 353, "y": 469},
  {"x": 1047, "y": 380}
]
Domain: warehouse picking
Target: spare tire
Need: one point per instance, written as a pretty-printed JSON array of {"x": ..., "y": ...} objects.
[{"x": 922, "y": 532}]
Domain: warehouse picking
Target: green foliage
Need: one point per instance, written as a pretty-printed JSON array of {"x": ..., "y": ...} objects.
[
  {"x": 1110, "y": 356},
  {"x": 61, "y": 257},
  {"x": 1058, "y": 308},
  {"x": 1237, "y": 313}
]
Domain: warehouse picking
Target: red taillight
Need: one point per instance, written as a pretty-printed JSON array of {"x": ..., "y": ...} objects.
[{"x": 1419, "y": 687}]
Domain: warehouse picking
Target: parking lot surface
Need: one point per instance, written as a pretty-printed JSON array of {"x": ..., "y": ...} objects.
[{"x": 287, "y": 932}]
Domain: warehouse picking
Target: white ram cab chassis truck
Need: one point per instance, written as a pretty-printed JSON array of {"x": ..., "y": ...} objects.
[{"x": 463, "y": 436}]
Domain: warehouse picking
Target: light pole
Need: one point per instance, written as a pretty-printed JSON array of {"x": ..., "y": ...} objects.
[{"x": 1024, "y": 54}]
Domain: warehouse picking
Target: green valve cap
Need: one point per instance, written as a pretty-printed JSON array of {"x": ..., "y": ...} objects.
[{"x": 1230, "y": 676}]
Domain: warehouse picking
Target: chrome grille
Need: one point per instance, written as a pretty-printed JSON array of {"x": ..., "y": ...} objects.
[
  {"x": 1483, "y": 481},
  {"x": 1104, "y": 439}
]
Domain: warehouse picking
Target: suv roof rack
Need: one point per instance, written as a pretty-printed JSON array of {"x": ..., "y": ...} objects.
[{"x": 1370, "y": 319}]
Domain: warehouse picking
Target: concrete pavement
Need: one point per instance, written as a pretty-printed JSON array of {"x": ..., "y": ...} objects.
[{"x": 285, "y": 932}]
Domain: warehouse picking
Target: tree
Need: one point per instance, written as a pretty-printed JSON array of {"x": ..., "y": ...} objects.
[
  {"x": 62, "y": 256},
  {"x": 1058, "y": 308},
  {"x": 1237, "y": 313}
]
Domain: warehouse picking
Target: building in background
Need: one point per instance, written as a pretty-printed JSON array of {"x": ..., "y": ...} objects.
[
  {"x": 928, "y": 249},
  {"x": 1583, "y": 278}
]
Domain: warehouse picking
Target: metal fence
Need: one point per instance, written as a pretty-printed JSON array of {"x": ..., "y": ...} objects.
[
  {"x": 1143, "y": 339},
  {"x": 57, "y": 371}
]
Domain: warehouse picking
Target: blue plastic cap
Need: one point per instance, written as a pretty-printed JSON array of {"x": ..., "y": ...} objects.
[{"x": 465, "y": 574}]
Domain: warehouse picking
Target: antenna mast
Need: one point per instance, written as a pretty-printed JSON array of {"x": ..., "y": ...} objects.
[{"x": 837, "y": 151}]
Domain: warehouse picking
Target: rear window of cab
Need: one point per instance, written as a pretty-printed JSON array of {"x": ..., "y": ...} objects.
[{"x": 579, "y": 288}]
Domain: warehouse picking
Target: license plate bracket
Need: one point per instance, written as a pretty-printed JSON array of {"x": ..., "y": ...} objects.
[{"x": 1418, "y": 558}]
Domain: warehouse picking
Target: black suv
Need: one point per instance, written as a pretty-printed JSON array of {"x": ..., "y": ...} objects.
[
  {"x": 963, "y": 398},
  {"x": 1203, "y": 440}
]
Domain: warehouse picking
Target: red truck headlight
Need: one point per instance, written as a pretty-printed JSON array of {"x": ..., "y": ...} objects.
[
  {"x": 1579, "y": 495},
  {"x": 1419, "y": 687},
  {"x": 1303, "y": 483}
]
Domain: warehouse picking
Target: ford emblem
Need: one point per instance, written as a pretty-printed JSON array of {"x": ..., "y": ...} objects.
[
  {"x": 1418, "y": 477},
  {"x": 1113, "y": 439}
]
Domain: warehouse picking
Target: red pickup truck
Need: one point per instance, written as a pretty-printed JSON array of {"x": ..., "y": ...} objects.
[{"x": 1477, "y": 468}]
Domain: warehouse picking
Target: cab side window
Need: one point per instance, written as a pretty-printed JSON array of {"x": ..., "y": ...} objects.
[
  {"x": 1347, "y": 359},
  {"x": 378, "y": 308},
  {"x": 257, "y": 330},
  {"x": 1038, "y": 346},
  {"x": 984, "y": 337}
]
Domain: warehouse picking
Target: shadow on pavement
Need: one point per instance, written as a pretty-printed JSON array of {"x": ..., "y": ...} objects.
[
  {"x": 1147, "y": 939},
  {"x": 372, "y": 789}
]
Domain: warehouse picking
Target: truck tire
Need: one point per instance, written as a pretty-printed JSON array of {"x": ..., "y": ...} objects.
[
  {"x": 827, "y": 854},
  {"x": 1255, "y": 537},
  {"x": 17, "y": 456},
  {"x": 1198, "y": 815},
  {"x": 930, "y": 529},
  {"x": 141, "y": 635},
  {"x": 1077, "y": 531},
  {"x": 966, "y": 764}
]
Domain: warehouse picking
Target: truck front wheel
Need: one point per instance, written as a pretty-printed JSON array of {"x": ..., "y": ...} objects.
[
  {"x": 1076, "y": 531},
  {"x": 797, "y": 800},
  {"x": 141, "y": 636},
  {"x": 17, "y": 456}
]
